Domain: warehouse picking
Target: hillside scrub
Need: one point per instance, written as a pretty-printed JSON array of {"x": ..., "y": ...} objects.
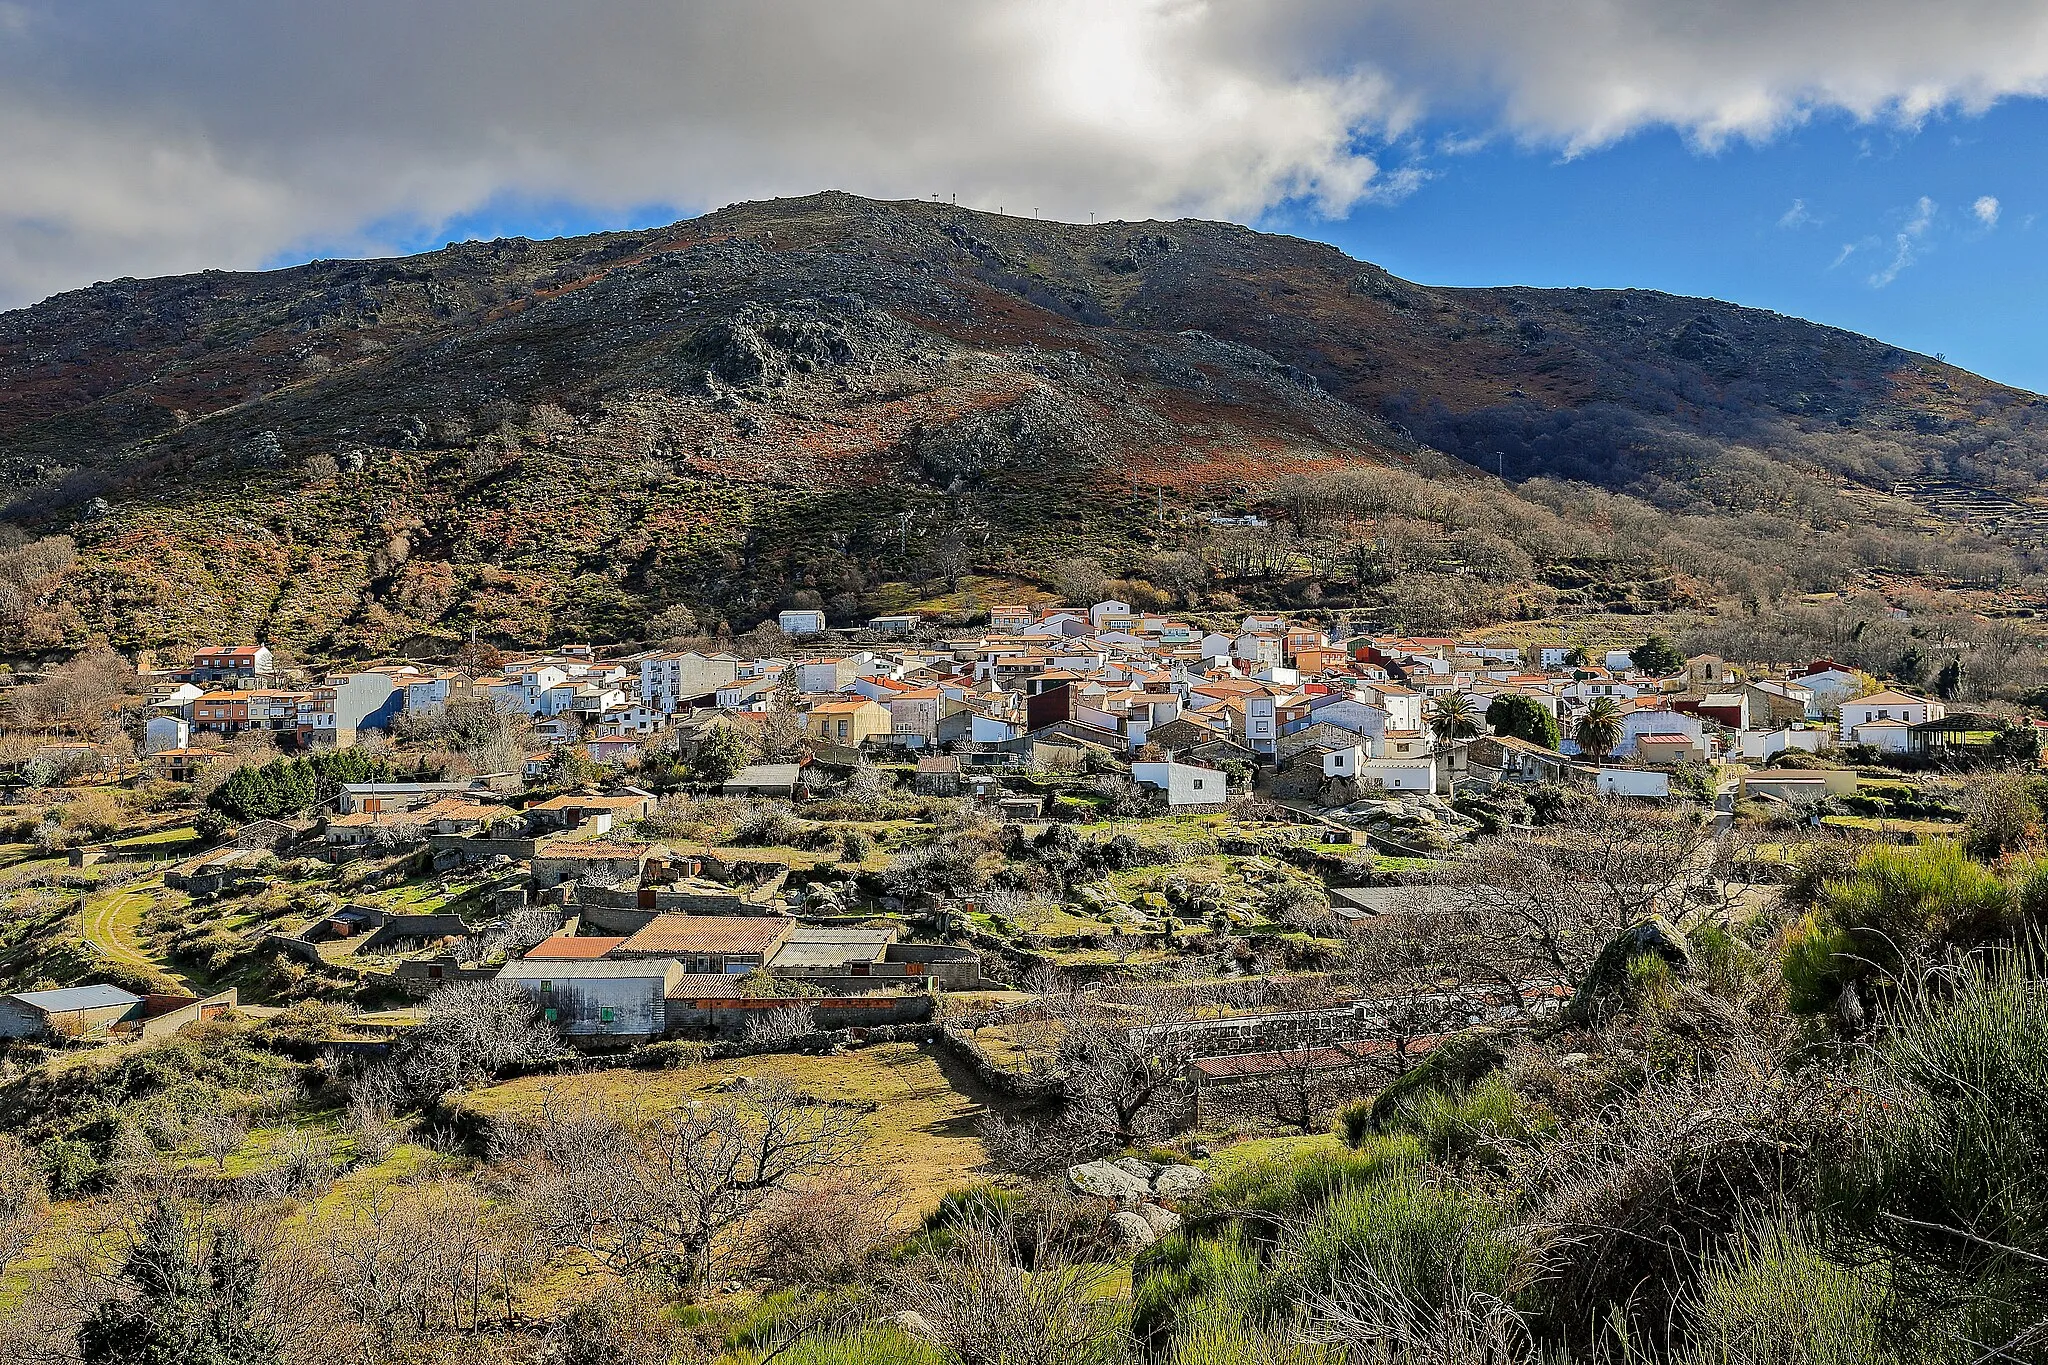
[{"x": 1897, "y": 904}]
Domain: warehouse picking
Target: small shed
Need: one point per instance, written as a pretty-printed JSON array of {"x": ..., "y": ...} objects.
[
  {"x": 764, "y": 779},
  {"x": 602, "y": 998},
  {"x": 938, "y": 775},
  {"x": 72, "y": 1012}
]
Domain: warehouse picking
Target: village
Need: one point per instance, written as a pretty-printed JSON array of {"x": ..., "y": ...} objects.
[
  {"x": 1100, "y": 910},
  {"x": 598, "y": 871}
]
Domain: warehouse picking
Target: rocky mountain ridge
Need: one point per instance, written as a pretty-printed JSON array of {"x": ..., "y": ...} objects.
[{"x": 836, "y": 393}]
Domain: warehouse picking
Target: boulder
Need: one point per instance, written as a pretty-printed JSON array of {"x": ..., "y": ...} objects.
[
  {"x": 1106, "y": 1180},
  {"x": 913, "y": 1323},
  {"x": 1605, "y": 991},
  {"x": 1177, "y": 1182},
  {"x": 1161, "y": 1220},
  {"x": 1133, "y": 1232}
]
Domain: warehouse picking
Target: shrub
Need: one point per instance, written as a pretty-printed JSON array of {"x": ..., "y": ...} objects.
[
  {"x": 1354, "y": 1122},
  {"x": 1949, "y": 1167},
  {"x": 1473, "y": 1126},
  {"x": 1775, "y": 1298},
  {"x": 1187, "y": 1285},
  {"x": 1818, "y": 959},
  {"x": 1896, "y": 900},
  {"x": 1425, "y": 1242},
  {"x": 1289, "y": 1185}
]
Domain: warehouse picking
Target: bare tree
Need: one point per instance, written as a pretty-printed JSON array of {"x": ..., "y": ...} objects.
[
  {"x": 473, "y": 1031},
  {"x": 24, "y": 1198},
  {"x": 220, "y": 1133},
  {"x": 781, "y": 1026},
  {"x": 1542, "y": 904},
  {"x": 657, "y": 1198}
]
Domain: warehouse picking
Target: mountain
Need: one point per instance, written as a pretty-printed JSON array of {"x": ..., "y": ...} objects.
[{"x": 862, "y": 400}]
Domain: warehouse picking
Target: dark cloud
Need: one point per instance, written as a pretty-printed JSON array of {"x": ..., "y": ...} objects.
[{"x": 150, "y": 137}]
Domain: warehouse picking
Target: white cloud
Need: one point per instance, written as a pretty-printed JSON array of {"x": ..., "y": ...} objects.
[
  {"x": 1986, "y": 210},
  {"x": 143, "y": 137},
  {"x": 1797, "y": 216},
  {"x": 1906, "y": 243}
]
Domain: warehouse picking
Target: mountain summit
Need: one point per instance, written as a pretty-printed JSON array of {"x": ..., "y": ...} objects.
[{"x": 565, "y": 437}]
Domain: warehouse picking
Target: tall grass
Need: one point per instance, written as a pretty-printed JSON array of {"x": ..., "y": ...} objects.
[
  {"x": 1950, "y": 1166},
  {"x": 1292, "y": 1184},
  {"x": 1776, "y": 1300}
]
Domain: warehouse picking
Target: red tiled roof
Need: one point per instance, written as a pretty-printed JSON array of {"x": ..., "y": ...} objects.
[{"x": 667, "y": 934}]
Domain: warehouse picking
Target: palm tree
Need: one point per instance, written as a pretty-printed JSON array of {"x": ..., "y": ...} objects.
[
  {"x": 1599, "y": 729},
  {"x": 1451, "y": 717}
]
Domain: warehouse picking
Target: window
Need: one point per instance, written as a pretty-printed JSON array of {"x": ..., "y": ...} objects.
[
  {"x": 546, "y": 987},
  {"x": 606, "y": 1016},
  {"x": 551, "y": 1015}
]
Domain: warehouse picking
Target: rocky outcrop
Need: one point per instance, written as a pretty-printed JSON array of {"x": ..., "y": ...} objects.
[
  {"x": 1132, "y": 1181},
  {"x": 1607, "y": 987}
]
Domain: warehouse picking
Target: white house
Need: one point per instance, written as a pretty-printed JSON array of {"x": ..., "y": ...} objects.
[
  {"x": 1585, "y": 689},
  {"x": 1184, "y": 784},
  {"x": 1830, "y": 684},
  {"x": 987, "y": 729},
  {"x": 1884, "y": 714},
  {"x": 1102, "y": 613},
  {"x": 801, "y": 622},
  {"x": 1768, "y": 744},
  {"x": 667, "y": 680},
  {"x": 1635, "y": 724},
  {"x": 1403, "y": 705},
  {"x": 752, "y": 694},
  {"x": 1402, "y": 774},
  {"x": 1261, "y": 724},
  {"x": 165, "y": 732},
  {"x": 826, "y": 675},
  {"x": 1617, "y": 661},
  {"x": 1343, "y": 760},
  {"x": 1260, "y": 650},
  {"x": 1655, "y": 786},
  {"x": 1059, "y": 625}
]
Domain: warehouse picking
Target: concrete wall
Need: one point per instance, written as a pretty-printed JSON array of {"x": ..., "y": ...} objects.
[
  {"x": 1630, "y": 782},
  {"x": 636, "y": 1003},
  {"x": 1400, "y": 776},
  {"x": 831, "y": 1012},
  {"x": 163, "y": 1025}
]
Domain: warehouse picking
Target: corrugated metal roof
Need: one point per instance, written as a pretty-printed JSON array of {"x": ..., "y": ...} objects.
[
  {"x": 77, "y": 998},
  {"x": 556, "y": 969}
]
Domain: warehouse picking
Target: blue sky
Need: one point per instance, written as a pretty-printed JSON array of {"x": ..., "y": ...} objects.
[{"x": 1758, "y": 224}]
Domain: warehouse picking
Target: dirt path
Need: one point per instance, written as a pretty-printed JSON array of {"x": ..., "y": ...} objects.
[{"x": 112, "y": 924}]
